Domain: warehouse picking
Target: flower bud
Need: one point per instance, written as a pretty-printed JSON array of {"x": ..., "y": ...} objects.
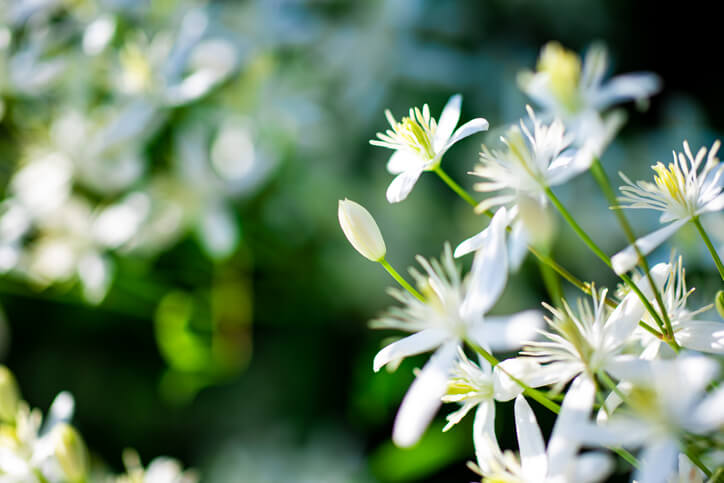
[
  {"x": 361, "y": 230},
  {"x": 70, "y": 452},
  {"x": 9, "y": 396}
]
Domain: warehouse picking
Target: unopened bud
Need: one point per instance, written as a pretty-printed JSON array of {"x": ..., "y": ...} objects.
[
  {"x": 9, "y": 395},
  {"x": 70, "y": 452},
  {"x": 361, "y": 230},
  {"x": 719, "y": 303}
]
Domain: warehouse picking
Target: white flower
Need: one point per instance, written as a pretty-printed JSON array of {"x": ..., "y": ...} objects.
[
  {"x": 478, "y": 385},
  {"x": 668, "y": 399},
  {"x": 160, "y": 470},
  {"x": 453, "y": 311},
  {"x": 682, "y": 190},
  {"x": 361, "y": 230},
  {"x": 559, "y": 462},
  {"x": 420, "y": 143},
  {"x": 589, "y": 339},
  {"x": 578, "y": 94},
  {"x": 519, "y": 175},
  {"x": 689, "y": 331}
]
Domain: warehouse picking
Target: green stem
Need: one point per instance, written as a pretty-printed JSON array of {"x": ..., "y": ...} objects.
[
  {"x": 600, "y": 174},
  {"x": 401, "y": 280},
  {"x": 540, "y": 256},
  {"x": 455, "y": 187},
  {"x": 710, "y": 246},
  {"x": 694, "y": 457},
  {"x": 599, "y": 253}
]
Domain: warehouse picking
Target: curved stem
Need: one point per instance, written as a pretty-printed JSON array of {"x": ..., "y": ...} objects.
[
  {"x": 401, "y": 280},
  {"x": 603, "y": 182},
  {"x": 599, "y": 253},
  {"x": 455, "y": 187},
  {"x": 709, "y": 245}
]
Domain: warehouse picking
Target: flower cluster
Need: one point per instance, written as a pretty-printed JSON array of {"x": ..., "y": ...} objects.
[
  {"x": 50, "y": 449},
  {"x": 645, "y": 356}
]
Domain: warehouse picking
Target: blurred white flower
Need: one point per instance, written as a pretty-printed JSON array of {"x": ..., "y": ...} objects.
[
  {"x": 578, "y": 94},
  {"x": 667, "y": 399},
  {"x": 159, "y": 470},
  {"x": 420, "y": 142},
  {"x": 453, "y": 311},
  {"x": 682, "y": 191}
]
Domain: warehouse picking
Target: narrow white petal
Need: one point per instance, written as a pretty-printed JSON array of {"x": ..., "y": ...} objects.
[
  {"x": 448, "y": 120},
  {"x": 620, "y": 430},
  {"x": 418, "y": 343},
  {"x": 507, "y": 333},
  {"x": 402, "y": 185},
  {"x": 710, "y": 413},
  {"x": 658, "y": 462},
  {"x": 630, "y": 368},
  {"x": 401, "y": 161},
  {"x": 702, "y": 336},
  {"x": 472, "y": 244},
  {"x": 522, "y": 368},
  {"x": 624, "y": 319},
  {"x": 533, "y": 460},
  {"x": 423, "y": 398},
  {"x": 467, "y": 129},
  {"x": 565, "y": 438},
  {"x": 489, "y": 271},
  {"x": 484, "y": 440},
  {"x": 613, "y": 401},
  {"x": 517, "y": 246},
  {"x": 626, "y": 259},
  {"x": 592, "y": 467},
  {"x": 635, "y": 86}
]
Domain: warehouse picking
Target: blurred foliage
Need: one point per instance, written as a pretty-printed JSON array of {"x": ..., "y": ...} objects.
[{"x": 170, "y": 170}]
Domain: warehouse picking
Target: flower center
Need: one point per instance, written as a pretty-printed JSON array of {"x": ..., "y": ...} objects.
[
  {"x": 415, "y": 131},
  {"x": 671, "y": 180},
  {"x": 564, "y": 69}
]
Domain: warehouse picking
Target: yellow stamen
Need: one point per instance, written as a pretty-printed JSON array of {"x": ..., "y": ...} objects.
[
  {"x": 564, "y": 68},
  {"x": 671, "y": 179}
]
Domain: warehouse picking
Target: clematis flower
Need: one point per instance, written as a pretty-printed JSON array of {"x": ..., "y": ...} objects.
[
  {"x": 559, "y": 462},
  {"x": 453, "y": 311},
  {"x": 689, "y": 331},
  {"x": 667, "y": 400},
  {"x": 420, "y": 142},
  {"x": 683, "y": 190},
  {"x": 578, "y": 95},
  {"x": 518, "y": 176},
  {"x": 479, "y": 386},
  {"x": 589, "y": 339}
]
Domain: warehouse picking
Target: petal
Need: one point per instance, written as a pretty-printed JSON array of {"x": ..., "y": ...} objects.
[
  {"x": 592, "y": 467},
  {"x": 565, "y": 438},
  {"x": 626, "y": 259},
  {"x": 474, "y": 243},
  {"x": 710, "y": 413},
  {"x": 467, "y": 129},
  {"x": 635, "y": 86},
  {"x": 401, "y": 161},
  {"x": 702, "y": 336},
  {"x": 489, "y": 271},
  {"x": 418, "y": 343},
  {"x": 517, "y": 246},
  {"x": 658, "y": 462},
  {"x": 448, "y": 120},
  {"x": 507, "y": 333},
  {"x": 423, "y": 398},
  {"x": 533, "y": 460},
  {"x": 402, "y": 185},
  {"x": 624, "y": 319},
  {"x": 619, "y": 431},
  {"x": 522, "y": 368},
  {"x": 484, "y": 440}
]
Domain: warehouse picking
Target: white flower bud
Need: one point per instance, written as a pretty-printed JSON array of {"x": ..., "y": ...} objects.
[
  {"x": 70, "y": 452},
  {"x": 361, "y": 230},
  {"x": 9, "y": 395}
]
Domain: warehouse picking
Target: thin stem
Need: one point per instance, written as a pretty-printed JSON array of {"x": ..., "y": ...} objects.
[
  {"x": 401, "y": 280},
  {"x": 694, "y": 457},
  {"x": 709, "y": 245},
  {"x": 455, "y": 187},
  {"x": 599, "y": 253},
  {"x": 540, "y": 256},
  {"x": 600, "y": 174}
]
